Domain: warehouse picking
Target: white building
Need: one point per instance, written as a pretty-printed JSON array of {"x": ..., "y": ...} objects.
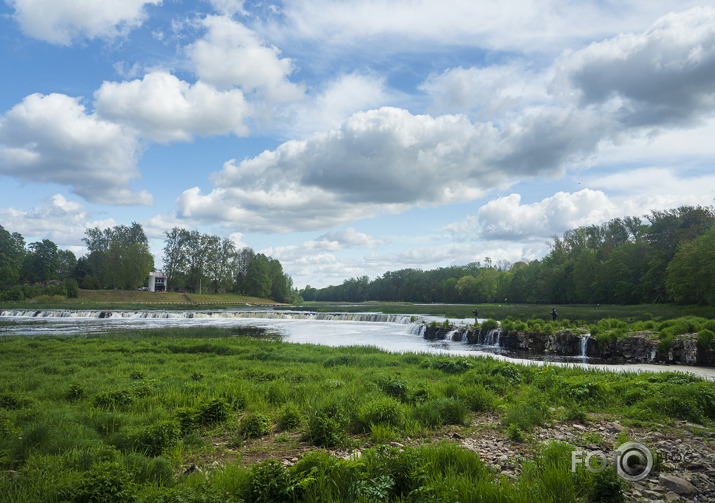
[{"x": 157, "y": 281}]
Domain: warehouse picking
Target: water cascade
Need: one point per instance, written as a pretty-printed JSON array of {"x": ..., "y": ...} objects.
[
  {"x": 276, "y": 315},
  {"x": 492, "y": 338},
  {"x": 584, "y": 345}
]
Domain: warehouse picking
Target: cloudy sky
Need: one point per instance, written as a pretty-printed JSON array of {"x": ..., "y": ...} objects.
[{"x": 353, "y": 137}]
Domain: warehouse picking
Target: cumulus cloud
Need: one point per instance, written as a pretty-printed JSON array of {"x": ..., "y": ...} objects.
[
  {"x": 381, "y": 160},
  {"x": 57, "y": 219},
  {"x": 530, "y": 25},
  {"x": 163, "y": 108},
  {"x": 232, "y": 55},
  {"x": 507, "y": 219},
  {"x": 63, "y": 21},
  {"x": 336, "y": 101},
  {"x": 488, "y": 91},
  {"x": 52, "y": 139},
  {"x": 662, "y": 76}
]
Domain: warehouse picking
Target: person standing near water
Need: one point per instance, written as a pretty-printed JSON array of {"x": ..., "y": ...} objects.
[
  {"x": 554, "y": 314},
  {"x": 476, "y": 315}
]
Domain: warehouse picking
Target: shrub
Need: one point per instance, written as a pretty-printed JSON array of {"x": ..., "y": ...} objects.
[
  {"x": 105, "y": 482},
  {"x": 290, "y": 418},
  {"x": 149, "y": 470},
  {"x": 441, "y": 411},
  {"x": 268, "y": 483},
  {"x": 154, "y": 439},
  {"x": 527, "y": 412},
  {"x": 706, "y": 338},
  {"x": 254, "y": 425},
  {"x": 395, "y": 387},
  {"x": 607, "y": 487},
  {"x": 113, "y": 399},
  {"x": 381, "y": 411},
  {"x": 489, "y": 324},
  {"x": 72, "y": 288},
  {"x": 211, "y": 412},
  {"x": 325, "y": 426}
]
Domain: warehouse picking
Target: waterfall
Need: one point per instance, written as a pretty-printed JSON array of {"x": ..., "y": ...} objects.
[
  {"x": 278, "y": 315},
  {"x": 450, "y": 335},
  {"x": 584, "y": 345},
  {"x": 492, "y": 337}
]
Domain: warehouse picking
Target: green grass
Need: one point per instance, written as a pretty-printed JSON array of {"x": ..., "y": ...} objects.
[
  {"x": 120, "y": 416},
  {"x": 523, "y": 312},
  {"x": 131, "y": 299}
]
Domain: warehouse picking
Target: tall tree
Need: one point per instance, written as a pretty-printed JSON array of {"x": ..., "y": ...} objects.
[{"x": 12, "y": 253}]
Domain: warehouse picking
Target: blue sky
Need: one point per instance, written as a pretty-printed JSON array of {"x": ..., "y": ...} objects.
[{"x": 349, "y": 138}]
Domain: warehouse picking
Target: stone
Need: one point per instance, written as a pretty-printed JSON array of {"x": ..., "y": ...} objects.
[
  {"x": 677, "y": 485},
  {"x": 615, "y": 427},
  {"x": 671, "y": 496}
]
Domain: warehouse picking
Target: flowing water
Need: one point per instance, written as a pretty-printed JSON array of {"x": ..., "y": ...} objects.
[{"x": 391, "y": 332}]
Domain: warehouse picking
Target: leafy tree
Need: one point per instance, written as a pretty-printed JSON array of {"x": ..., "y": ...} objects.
[
  {"x": 691, "y": 273},
  {"x": 42, "y": 262},
  {"x": 12, "y": 254},
  {"x": 258, "y": 277}
]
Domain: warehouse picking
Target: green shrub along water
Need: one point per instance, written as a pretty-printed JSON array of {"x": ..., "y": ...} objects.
[{"x": 119, "y": 417}]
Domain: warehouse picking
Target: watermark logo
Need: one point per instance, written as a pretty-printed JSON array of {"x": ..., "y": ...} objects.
[{"x": 633, "y": 461}]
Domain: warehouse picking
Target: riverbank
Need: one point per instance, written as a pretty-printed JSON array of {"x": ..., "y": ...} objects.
[{"x": 137, "y": 409}]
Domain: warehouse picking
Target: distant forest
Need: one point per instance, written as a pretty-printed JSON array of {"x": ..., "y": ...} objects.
[
  {"x": 668, "y": 257},
  {"x": 119, "y": 258}
]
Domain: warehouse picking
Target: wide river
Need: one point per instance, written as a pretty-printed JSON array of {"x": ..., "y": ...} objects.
[{"x": 394, "y": 333}]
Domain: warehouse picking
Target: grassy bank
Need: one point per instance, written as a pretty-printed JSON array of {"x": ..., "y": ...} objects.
[
  {"x": 120, "y": 417},
  {"x": 523, "y": 312},
  {"x": 131, "y": 299}
]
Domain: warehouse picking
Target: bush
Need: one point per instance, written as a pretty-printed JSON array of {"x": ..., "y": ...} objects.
[
  {"x": 113, "y": 399},
  {"x": 325, "y": 426},
  {"x": 441, "y": 411},
  {"x": 290, "y": 418},
  {"x": 268, "y": 483},
  {"x": 154, "y": 439},
  {"x": 105, "y": 482},
  {"x": 381, "y": 411},
  {"x": 489, "y": 324},
  {"x": 211, "y": 412},
  {"x": 254, "y": 425},
  {"x": 72, "y": 288}
]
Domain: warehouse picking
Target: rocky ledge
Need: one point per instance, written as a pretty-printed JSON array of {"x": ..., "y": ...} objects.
[{"x": 636, "y": 347}]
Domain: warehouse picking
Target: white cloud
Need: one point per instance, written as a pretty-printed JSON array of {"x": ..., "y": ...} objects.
[
  {"x": 409, "y": 25},
  {"x": 230, "y": 54},
  {"x": 163, "y": 108},
  {"x": 63, "y": 21},
  {"x": 57, "y": 219},
  {"x": 507, "y": 219},
  {"x": 490, "y": 90},
  {"x": 51, "y": 139},
  {"x": 662, "y": 76},
  {"x": 336, "y": 102},
  {"x": 228, "y": 7}
]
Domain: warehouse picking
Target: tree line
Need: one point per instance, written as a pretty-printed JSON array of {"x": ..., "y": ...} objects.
[
  {"x": 665, "y": 256},
  {"x": 119, "y": 258},
  {"x": 199, "y": 262}
]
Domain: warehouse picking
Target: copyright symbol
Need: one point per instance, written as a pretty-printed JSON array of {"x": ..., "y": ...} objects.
[{"x": 634, "y": 461}]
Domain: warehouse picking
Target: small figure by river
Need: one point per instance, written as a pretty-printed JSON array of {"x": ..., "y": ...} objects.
[
  {"x": 476, "y": 315},
  {"x": 554, "y": 314}
]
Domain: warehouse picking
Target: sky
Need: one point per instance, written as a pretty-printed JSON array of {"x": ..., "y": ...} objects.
[{"x": 349, "y": 138}]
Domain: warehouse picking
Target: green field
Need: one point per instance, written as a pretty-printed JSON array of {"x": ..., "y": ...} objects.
[
  {"x": 120, "y": 417},
  {"x": 131, "y": 299}
]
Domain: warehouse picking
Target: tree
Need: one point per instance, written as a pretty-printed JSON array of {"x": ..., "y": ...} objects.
[
  {"x": 12, "y": 254},
  {"x": 691, "y": 273},
  {"x": 175, "y": 255},
  {"x": 42, "y": 262},
  {"x": 258, "y": 277}
]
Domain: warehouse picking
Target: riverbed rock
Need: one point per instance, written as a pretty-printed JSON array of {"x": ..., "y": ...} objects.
[{"x": 677, "y": 485}]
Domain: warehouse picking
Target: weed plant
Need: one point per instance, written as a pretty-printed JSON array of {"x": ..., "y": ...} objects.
[{"x": 119, "y": 417}]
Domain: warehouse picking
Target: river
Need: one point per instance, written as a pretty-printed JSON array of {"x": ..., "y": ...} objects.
[{"x": 396, "y": 333}]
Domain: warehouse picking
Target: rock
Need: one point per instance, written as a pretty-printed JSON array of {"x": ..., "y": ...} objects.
[
  {"x": 192, "y": 469},
  {"x": 579, "y": 427},
  {"x": 615, "y": 427},
  {"x": 671, "y": 496},
  {"x": 677, "y": 484},
  {"x": 457, "y": 436},
  {"x": 397, "y": 445}
]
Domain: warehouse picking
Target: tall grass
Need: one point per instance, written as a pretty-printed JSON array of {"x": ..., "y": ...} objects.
[{"x": 126, "y": 413}]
